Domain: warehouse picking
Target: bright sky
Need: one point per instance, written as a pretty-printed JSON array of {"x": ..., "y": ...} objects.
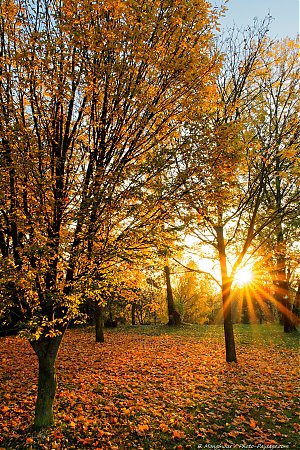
[{"x": 284, "y": 12}]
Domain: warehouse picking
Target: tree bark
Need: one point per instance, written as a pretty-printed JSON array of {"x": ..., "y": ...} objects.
[
  {"x": 174, "y": 316},
  {"x": 282, "y": 294},
  {"x": 133, "y": 311},
  {"x": 284, "y": 298},
  {"x": 282, "y": 283},
  {"x": 99, "y": 323},
  {"x": 245, "y": 310},
  {"x": 226, "y": 298},
  {"x": 46, "y": 349},
  {"x": 296, "y": 306}
]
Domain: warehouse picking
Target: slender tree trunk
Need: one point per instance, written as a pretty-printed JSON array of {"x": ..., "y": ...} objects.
[
  {"x": 296, "y": 307},
  {"x": 228, "y": 326},
  {"x": 282, "y": 293},
  {"x": 245, "y": 310},
  {"x": 283, "y": 296},
  {"x": 226, "y": 299},
  {"x": 46, "y": 350},
  {"x": 133, "y": 311},
  {"x": 174, "y": 316},
  {"x": 99, "y": 323}
]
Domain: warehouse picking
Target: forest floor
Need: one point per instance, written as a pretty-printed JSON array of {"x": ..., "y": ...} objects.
[{"x": 153, "y": 387}]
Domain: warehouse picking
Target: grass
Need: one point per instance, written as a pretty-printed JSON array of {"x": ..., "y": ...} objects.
[
  {"x": 266, "y": 334},
  {"x": 157, "y": 387}
]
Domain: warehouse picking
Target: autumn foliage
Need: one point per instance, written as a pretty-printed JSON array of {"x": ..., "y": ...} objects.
[
  {"x": 156, "y": 391},
  {"x": 121, "y": 123}
]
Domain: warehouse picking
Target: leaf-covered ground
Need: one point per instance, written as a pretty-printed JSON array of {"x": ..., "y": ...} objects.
[{"x": 150, "y": 388}]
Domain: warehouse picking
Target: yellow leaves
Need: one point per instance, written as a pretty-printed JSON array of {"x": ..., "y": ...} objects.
[
  {"x": 8, "y": 10},
  {"x": 127, "y": 411},
  {"x": 149, "y": 79},
  {"x": 292, "y": 43},
  {"x": 52, "y": 333},
  {"x": 176, "y": 21}
]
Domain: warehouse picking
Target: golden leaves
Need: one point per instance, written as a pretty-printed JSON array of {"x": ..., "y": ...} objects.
[
  {"x": 142, "y": 429},
  {"x": 178, "y": 434},
  {"x": 164, "y": 427},
  {"x": 8, "y": 10},
  {"x": 137, "y": 388}
]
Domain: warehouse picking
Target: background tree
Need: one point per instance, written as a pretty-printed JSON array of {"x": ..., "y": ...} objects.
[
  {"x": 194, "y": 295},
  {"x": 276, "y": 121},
  {"x": 174, "y": 316}
]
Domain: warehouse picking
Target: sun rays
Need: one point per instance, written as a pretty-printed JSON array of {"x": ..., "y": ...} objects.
[
  {"x": 252, "y": 298},
  {"x": 243, "y": 276}
]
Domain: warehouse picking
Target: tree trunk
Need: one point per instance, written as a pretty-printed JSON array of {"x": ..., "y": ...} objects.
[
  {"x": 226, "y": 298},
  {"x": 133, "y": 311},
  {"x": 46, "y": 349},
  {"x": 174, "y": 316},
  {"x": 284, "y": 299},
  {"x": 296, "y": 307},
  {"x": 245, "y": 310},
  {"x": 229, "y": 337},
  {"x": 282, "y": 294},
  {"x": 228, "y": 327},
  {"x": 282, "y": 285},
  {"x": 99, "y": 323}
]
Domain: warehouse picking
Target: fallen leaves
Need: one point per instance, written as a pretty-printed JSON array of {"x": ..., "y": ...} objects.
[
  {"x": 163, "y": 427},
  {"x": 177, "y": 434},
  {"x": 151, "y": 392},
  {"x": 141, "y": 429}
]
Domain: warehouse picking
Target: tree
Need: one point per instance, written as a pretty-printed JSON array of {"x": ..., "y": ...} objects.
[
  {"x": 193, "y": 295},
  {"x": 277, "y": 126},
  {"x": 174, "y": 316},
  {"x": 91, "y": 94},
  {"x": 223, "y": 194}
]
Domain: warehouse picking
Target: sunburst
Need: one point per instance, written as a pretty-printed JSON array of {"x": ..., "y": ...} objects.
[{"x": 243, "y": 276}]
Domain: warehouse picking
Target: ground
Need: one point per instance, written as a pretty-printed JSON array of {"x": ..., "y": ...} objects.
[{"x": 157, "y": 388}]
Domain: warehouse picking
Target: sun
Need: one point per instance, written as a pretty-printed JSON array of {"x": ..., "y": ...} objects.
[{"x": 243, "y": 276}]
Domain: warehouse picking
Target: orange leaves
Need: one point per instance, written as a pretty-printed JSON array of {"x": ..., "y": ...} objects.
[
  {"x": 128, "y": 411},
  {"x": 296, "y": 426},
  {"x": 139, "y": 388},
  {"x": 163, "y": 427},
  {"x": 178, "y": 434},
  {"x": 242, "y": 418},
  {"x": 142, "y": 429}
]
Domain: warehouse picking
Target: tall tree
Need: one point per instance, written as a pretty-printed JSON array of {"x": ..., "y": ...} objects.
[
  {"x": 276, "y": 121},
  {"x": 91, "y": 93},
  {"x": 223, "y": 193}
]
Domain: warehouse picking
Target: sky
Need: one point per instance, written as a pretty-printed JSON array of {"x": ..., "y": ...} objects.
[{"x": 284, "y": 12}]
